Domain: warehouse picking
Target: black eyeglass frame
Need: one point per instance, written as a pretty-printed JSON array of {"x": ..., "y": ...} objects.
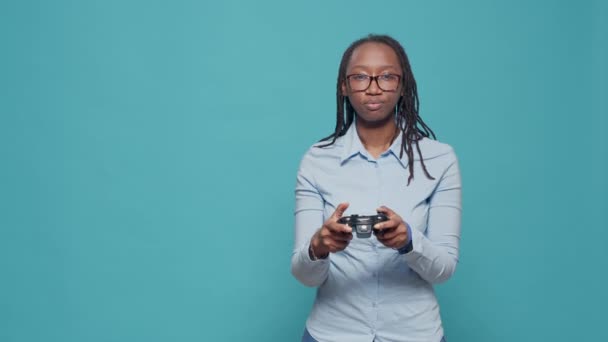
[{"x": 374, "y": 78}]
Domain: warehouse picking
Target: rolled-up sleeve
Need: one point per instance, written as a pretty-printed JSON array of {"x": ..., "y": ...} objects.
[
  {"x": 308, "y": 218},
  {"x": 435, "y": 252}
]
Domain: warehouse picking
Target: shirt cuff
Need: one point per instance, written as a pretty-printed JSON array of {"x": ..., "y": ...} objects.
[
  {"x": 409, "y": 246},
  {"x": 305, "y": 256},
  {"x": 417, "y": 246}
]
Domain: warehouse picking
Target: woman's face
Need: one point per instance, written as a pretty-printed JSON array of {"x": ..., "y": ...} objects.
[{"x": 376, "y": 103}]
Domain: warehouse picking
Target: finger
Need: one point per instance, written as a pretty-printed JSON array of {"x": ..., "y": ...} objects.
[
  {"x": 383, "y": 235},
  {"x": 337, "y": 246},
  {"x": 342, "y": 236},
  {"x": 387, "y": 234},
  {"x": 384, "y": 241},
  {"x": 395, "y": 241},
  {"x": 390, "y": 224},
  {"x": 386, "y": 211},
  {"x": 397, "y": 233},
  {"x": 335, "y": 227},
  {"x": 325, "y": 233},
  {"x": 340, "y": 209}
]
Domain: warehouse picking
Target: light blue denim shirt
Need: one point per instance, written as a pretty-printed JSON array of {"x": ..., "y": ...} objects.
[{"x": 369, "y": 292}]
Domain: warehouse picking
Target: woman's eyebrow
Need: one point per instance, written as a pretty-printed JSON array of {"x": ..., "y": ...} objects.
[{"x": 361, "y": 66}]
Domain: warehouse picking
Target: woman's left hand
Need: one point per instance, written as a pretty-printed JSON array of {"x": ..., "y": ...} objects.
[{"x": 391, "y": 233}]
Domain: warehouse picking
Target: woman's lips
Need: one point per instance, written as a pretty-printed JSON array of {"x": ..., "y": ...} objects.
[{"x": 373, "y": 105}]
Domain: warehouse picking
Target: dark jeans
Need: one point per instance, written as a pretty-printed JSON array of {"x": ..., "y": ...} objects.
[{"x": 307, "y": 338}]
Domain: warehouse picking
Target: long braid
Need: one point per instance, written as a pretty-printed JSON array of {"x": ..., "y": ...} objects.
[
  {"x": 345, "y": 113},
  {"x": 408, "y": 120}
]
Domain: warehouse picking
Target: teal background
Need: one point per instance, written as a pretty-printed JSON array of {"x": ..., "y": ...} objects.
[{"x": 149, "y": 151}]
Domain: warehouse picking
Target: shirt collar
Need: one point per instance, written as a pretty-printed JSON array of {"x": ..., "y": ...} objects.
[{"x": 354, "y": 147}]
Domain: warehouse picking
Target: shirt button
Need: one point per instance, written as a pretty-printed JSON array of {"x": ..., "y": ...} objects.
[{"x": 374, "y": 304}]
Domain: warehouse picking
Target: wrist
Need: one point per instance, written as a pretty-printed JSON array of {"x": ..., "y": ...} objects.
[
  {"x": 408, "y": 246},
  {"x": 315, "y": 249}
]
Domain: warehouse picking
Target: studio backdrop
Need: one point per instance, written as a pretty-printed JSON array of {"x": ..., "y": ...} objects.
[{"x": 149, "y": 151}]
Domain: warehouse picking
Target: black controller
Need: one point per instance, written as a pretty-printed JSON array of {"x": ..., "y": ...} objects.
[{"x": 363, "y": 225}]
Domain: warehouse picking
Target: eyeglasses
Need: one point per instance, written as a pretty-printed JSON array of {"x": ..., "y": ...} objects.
[{"x": 386, "y": 82}]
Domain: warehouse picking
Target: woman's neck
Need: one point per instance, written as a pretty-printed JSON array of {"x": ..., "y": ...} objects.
[{"x": 377, "y": 138}]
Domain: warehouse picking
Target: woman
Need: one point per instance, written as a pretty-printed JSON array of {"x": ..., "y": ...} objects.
[{"x": 380, "y": 158}]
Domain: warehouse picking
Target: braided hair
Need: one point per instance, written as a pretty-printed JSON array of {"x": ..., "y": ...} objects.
[{"x": 412, "y": 126}]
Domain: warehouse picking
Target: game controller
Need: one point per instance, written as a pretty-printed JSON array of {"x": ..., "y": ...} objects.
[{"x": 363, "y": 225}]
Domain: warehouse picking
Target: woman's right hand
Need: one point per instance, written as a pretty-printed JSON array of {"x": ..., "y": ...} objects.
[{"x": 332, "y": 237}]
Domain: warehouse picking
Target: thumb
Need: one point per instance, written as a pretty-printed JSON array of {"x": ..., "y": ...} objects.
[
  {"x": 385, "y": 210},
  {"x": 340, "y": 209}
]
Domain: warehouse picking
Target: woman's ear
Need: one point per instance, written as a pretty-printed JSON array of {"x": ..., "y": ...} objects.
[{"x": 343, "y": 89}]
